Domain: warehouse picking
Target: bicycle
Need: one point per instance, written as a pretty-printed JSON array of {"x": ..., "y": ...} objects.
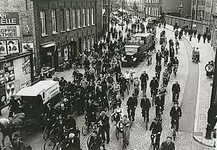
[
  {"x": 153, "y": 145},
  {"x": 154, "y": 94},
  {"x": 87, "y": 127},
  {"x": 125, "y": 133},
  {"x": 175, "y": 97},
  {"x": 175, "y": 68},
  {"x": 174, "y": 129}
]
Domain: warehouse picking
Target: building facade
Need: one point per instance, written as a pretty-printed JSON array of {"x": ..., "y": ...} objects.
[
  {"x": 180, "y": 8},
  {"x": 106, "y": 14},
  {"x": 64, "y": 30},
  {"x": 16, "y": 46},
  {"x": 153, "y": 8}
]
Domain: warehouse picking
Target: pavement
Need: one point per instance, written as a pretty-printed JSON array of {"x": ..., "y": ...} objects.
[{"x": 194, "y": 101}]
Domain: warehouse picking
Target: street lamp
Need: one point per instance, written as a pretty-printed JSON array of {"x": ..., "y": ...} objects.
[{"x": 122, "y": 27}]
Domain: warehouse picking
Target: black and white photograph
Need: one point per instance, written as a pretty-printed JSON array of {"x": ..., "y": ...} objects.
[{"x": 108, "y": 74}]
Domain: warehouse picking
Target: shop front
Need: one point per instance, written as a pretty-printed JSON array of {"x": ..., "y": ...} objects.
[{"x": 15, "y": 73}]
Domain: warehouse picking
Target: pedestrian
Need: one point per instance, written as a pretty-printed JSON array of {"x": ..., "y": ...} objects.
[
  {"x": 198, "y": 37},
  {"x": 168, "y": 144},
  {"x": 175, "y": 91},
  {"x": 195, "y": 33},
  {"x": 153, "y": 85},
  {"x": 204, "y": 37},
  {"x": 144, "y": 79},
  {"x": 158, "y": 57}
]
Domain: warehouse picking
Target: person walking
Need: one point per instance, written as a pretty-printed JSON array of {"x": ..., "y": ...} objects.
[
  {"x": 144, "y": 79},
  {"x": 175, "y": 90},
  {"x": 204, "y": 37},
  {"x": 175, "y": 114},
  {"x": 198, "y": 37}
]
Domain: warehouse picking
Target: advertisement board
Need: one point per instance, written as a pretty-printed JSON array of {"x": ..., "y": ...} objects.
[
  {"x": 9, "y": 31},
  {"x": 3, "y": 48},
  {"x": 12, "y": 46},
  {"x": 9, "y": 72}
]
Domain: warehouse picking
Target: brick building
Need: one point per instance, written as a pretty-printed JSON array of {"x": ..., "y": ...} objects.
[
  {"x": 16, "y": 44},
  {"x": 65, "y": 28}
]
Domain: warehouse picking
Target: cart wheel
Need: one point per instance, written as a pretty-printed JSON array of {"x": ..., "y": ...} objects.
[{"x": 50, "y": 144}]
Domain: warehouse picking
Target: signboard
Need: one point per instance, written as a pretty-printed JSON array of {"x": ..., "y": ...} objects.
[
  {"x": 9, "y": 18},
  {"x": 9, "y": 72},
  {"x": 2, "y": 78},
  {"x": 9, "y": 24},
  {"x": 3, "y": 100},
  {"x": 12, "y": 46},
  {"x": 10, "y": 31},
  {"x": 3, "y": 48}
]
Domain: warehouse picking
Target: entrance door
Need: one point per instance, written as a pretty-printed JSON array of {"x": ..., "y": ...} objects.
[{"x": 74, "y": 52}]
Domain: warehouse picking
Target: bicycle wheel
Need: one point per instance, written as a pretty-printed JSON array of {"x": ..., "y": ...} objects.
[
  {"x": 46, "y": 132},
  {"x": 59, "y": 146},
  {"x": 53, "y": 132},
  {"x": 50, "y": 144},
  {"x": 174, "y": 134},
  {"x": 117, "y": 134},
  {"x": 85, "y": 130}
]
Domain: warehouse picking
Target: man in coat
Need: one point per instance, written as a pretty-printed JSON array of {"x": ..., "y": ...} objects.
[
  {"x": 131, "y": 106},
  {"x": 168, "y": 144}
]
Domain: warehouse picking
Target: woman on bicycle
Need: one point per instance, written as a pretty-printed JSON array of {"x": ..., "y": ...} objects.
[
  {"x": 116, "y": 116},
  {"x": 124, "y": 124},
  {"x": 156, "y": 129}
]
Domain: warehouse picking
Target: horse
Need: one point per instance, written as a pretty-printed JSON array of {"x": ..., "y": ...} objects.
[{"x": 8, "y": 126}]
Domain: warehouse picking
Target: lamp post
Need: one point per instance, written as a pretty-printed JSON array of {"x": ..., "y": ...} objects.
[{"x": 122, "y": 27}]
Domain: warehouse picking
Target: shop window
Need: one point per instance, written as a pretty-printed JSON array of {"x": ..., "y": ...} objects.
[
  {"x": 73, "y": 19},
  {"x": 54, "y": 21},
  {"x": 79, "y": 18},
  {"x": 68, "y": 26},
  {"x": 43, "y": 23},
  {"x": 83, "y": 17}
]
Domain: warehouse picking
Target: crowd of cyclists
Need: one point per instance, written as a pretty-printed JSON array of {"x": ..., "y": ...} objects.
[{"x": 100, "y": 90}]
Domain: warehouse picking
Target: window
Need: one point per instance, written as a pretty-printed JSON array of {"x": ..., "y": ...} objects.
[
  {"x": 88, "y": 16},
  {"x": 73, "y": 19},
  {"x": 54, "y": 21},
  {"x": 63, "y": 20},
  {"x": 83, "y": 17},
  {"x": 43, "y": 23},
  {"x": 180, "y": 4},
  {"x": 68, "y": 27},
  {"x": 78, "y": 18},
  {"x": 92, "y": 16}
]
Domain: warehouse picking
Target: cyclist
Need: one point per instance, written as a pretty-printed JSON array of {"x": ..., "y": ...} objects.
[
  {"x": 177, "y": 46},
  {"x": 145, "y": 105},
  {"x": 158, "y": 106},
  {"x": 95, "y": 141},
  {"x": 124, "y": 123},
  {"x": 166, "y": 55},
  {"x": 127, "y": 76},
  {"x": 131, "y": 106},
  {"x": 168, "y": 144},
  {"x": 176, "y": 90},
  {"x": 91, "y": 112},
  {"x": 116, "y": 116},
  {"x": 175, "y": 114},
  {"x": 158, "y": 70},
  {"x": 162, "y": 92},
  {"x": 144, "y": 79},
  {"x": 158, "y": 57},
  {"x": 170, "y": 67},
  {"x": 153, "y": 85},
  {"x": 175, "y": 62},
  {"x": 156, "y": 129},
  {"x": 73, "y": 142},
  {"x": 166, "y": 77},
  {"x": 136, "y": 84},
  {"x": 132, "y": 71}
]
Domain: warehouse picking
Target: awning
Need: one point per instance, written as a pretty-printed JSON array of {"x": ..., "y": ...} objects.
[{"x": 48, "y": 44}]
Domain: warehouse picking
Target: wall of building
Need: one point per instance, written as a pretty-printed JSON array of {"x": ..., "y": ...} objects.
[
  {"x": 152, "y": 8},
  {"x": 69, "y": 43},
  {"x": 186, "y": 9},
  {"x": 170, "y": 6},
  {"x": 16, "y": 32}
]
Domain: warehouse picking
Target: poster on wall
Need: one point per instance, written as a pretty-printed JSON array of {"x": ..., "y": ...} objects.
[
  {"x": 3, "y": 48},
  {"x": 26, "y": 67},
  {"x": 66, "y": 54},
  {"x": 9, "y": 72},
  {"x": 12, "y": 46},
  {"x": 10, "y": 89},
  {"x": 26, "y": 24},
  {"x": 3, "y": 99},
  {"x": 27, "y": 46}
]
